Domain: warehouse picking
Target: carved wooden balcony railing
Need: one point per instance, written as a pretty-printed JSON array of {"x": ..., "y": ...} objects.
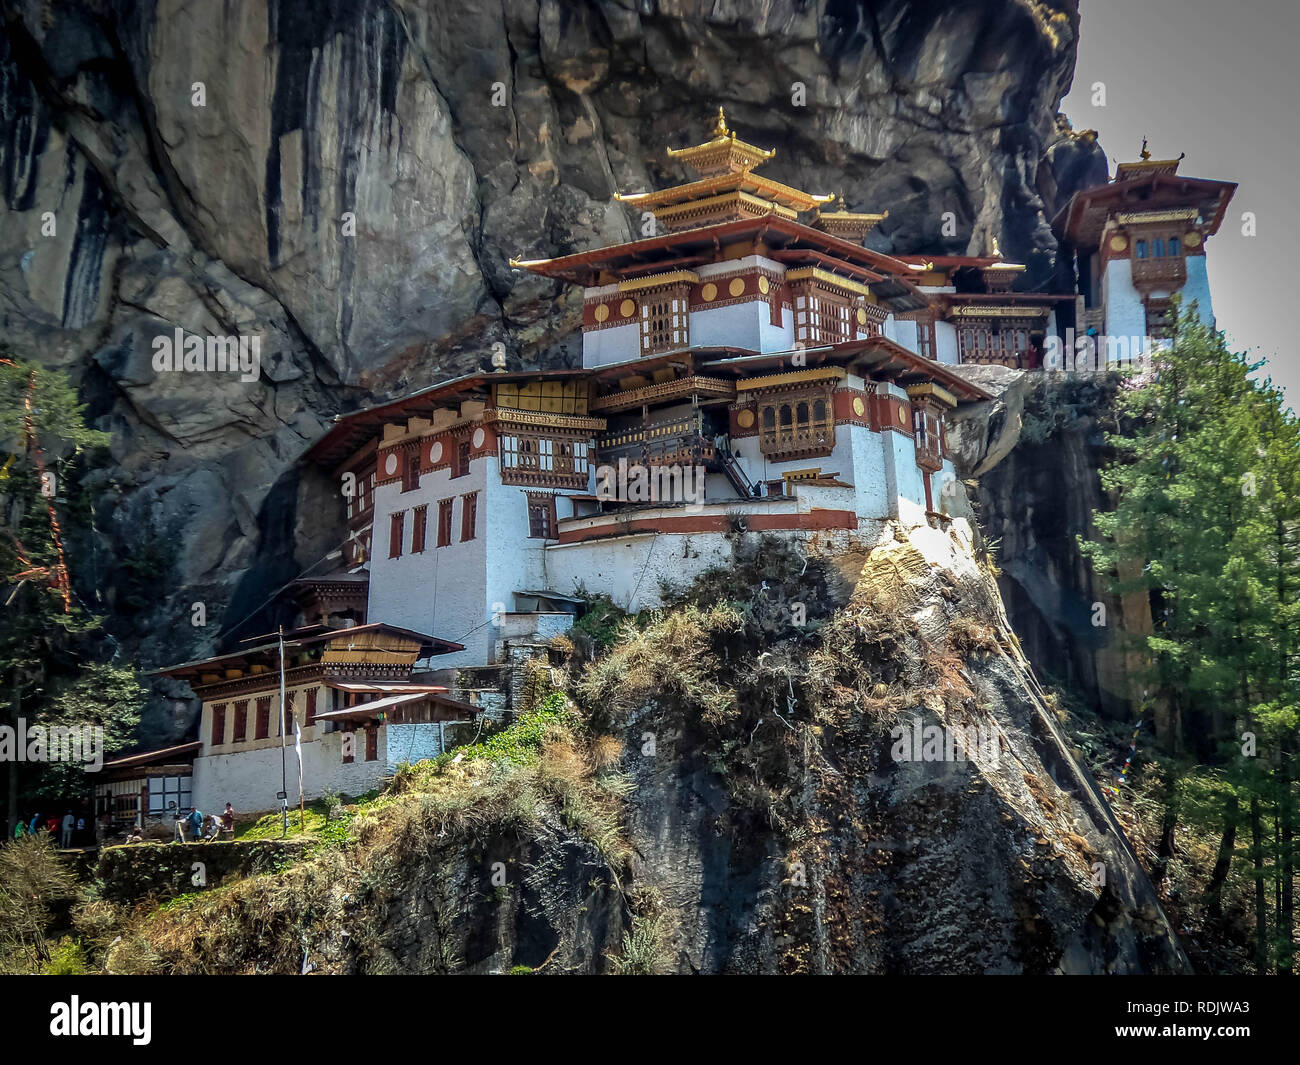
[
  {"x": 1169, "y": 270},
  {"x": 928, "y": 455},
  {"x": 798, "y": 440}
]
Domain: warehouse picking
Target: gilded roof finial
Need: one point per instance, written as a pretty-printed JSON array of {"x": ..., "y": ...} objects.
[
  {"x": 720, "y": 130},
  {"x": 997, "y": 252},
  {"x": 1145, "y": 154}
]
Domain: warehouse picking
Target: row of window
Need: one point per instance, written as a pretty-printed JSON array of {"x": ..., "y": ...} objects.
[
  {"x": 420, "y": 523},
  {"x": 1159, "y": 248},
  {"x": 262, "y": 720},
  {"x": 459, "y": 466}
]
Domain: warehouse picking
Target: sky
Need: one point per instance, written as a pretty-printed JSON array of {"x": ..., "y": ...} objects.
[{"x": 1220, "y": 81}]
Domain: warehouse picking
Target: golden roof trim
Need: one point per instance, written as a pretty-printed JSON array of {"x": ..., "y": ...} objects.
[
  {"x": 513, "y": 416},
  {"x": 816, "y": 273},
  {"x": 724, "y": 141},
  {"x": 661, "y": 389},
  {"x": 929, "y": 388},
  {"x": 669, "y": 277},
  {"x": 1180, "y": 214},
  {"x": 1007, "y": 311},
  {"x": 757, "y": 185},
  {"x": 794, "y": 377},
  {"x": 738, "y": 199}
]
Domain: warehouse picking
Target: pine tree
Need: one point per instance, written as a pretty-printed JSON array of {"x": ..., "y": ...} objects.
[
  {"x": 42, "y": 429},
  {"x": 1207, "y": 525}
]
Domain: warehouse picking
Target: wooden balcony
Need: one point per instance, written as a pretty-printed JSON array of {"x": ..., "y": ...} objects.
[
  {"x": 1171, "y": 271},
  {"x": 797, "y": 441}
]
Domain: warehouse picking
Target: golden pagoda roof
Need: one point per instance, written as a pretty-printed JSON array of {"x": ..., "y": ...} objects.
[
  {"x": 1146, "y": 165},
  {"x": 736, "y": 181},
  {"x": 724, "y": 152},
  {"x": 851, "y": 225}
]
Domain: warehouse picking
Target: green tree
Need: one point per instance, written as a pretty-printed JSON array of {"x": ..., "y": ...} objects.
[
  {"x": 1205, "y": 524},
  {"x": 42, "y": 434}
]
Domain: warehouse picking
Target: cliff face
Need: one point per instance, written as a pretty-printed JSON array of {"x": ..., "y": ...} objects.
[
  {"x": 1035, "y": 453},
  {"x": 346, "y": 180}
]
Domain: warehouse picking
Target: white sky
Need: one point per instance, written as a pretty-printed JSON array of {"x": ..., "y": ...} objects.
[{"x": 1220, "y": 81}]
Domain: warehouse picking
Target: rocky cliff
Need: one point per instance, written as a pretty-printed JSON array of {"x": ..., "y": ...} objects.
[{"x": 347, "y": 179}]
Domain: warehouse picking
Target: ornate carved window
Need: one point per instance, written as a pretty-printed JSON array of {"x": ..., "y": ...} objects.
[
  {"x": 545, "y": 461},
  {"x": 541, "y": 516},
  {"x": 665, "y": 319},
  {"x": 796, "y": 424},
  {"x": 928, "y": 436},
  {"x": 1159, "y": 317},
  {"x": 821, "y": 317}
]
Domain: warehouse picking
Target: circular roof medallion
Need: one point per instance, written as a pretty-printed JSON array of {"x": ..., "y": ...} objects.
[
  {"x": 479, "y": 437},
  {"x": 435, "y": 451},
  {"x": 745, "y": 419},
  {"x": 737, "y": 286},
  {"x": 390, "y": 464},
  {"x": 764, "y": 285},
  {"x": 627, "y": 308},
  {"x": 709, "y": 292},
  {"x": 1192, "y": 240},
  {"x": 859, "y": 408},
  {"x": 902, "y": 415},
  {"x": 601, "y": 312},
  {"x": 862, "y": 316},
  {"x": 1118, "y": 243}
]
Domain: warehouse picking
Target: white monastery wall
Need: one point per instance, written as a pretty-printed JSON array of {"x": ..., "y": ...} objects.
[{"x": 945, "y": 343}]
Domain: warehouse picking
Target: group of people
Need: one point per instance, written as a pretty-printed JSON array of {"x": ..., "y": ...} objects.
[
  {"x": 197, "y": 826},
  {"x": 70, "y": 829}
]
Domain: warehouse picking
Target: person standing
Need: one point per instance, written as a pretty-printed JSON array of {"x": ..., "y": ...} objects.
[
  {"x": 35, "y": 824},
  {"x": 228, "y": 819},
  {"x": 69, "y": 822}
]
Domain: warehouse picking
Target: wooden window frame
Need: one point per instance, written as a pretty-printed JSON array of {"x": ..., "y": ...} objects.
[
  {"x": 419, "y": 528},
  {"x": 460, "y": 458},
  {"x": 446, "y": 513},
  {"x": 219, "y": 725},
  {"x": 262, "y": 725},
  {"x": 240, "y": 732},
  {"x": 372, "y": 743},
  {"x": 542, "y": 521},
  {"x": 468, "y": 516},
  {"x": 789, "y": 426},
  {"x": 309, "y": 715},
  {"x": 663, "y": 319},
  {"x": 411, "y": 472},
  {"x": 287, "y": 723},
  {"x": 545, "y": 460},
  {"x": 396, "y": 533}
]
